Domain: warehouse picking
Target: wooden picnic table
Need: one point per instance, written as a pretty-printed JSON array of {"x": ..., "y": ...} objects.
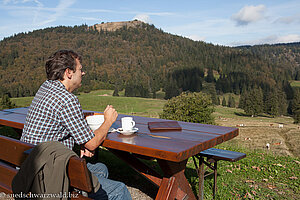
[{"x": 171, "y": 149}]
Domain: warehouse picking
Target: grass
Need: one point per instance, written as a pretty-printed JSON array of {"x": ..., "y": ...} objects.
[
  {"x": 126, "y": 105},
  {"x": 97, "y": 101},
  {"x": 237, "y": 113},
  {"x": 295, "y": 83},
  {"x": 273, "y": 177},
  {"x": 261, "y": 175}
]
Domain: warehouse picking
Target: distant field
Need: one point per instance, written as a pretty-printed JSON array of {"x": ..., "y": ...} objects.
[
  {"x": 98, "y": 100},
  {"x": 126, "y": 105}
]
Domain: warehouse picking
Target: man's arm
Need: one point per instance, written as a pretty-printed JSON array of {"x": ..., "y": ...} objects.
[{"x": 110, "y": 116}]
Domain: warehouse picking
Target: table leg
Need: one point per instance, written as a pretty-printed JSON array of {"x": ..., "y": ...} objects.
[
  {"x": 167, "y": 189},
  {"x": 173, "y": 184},
  {"x": 176, "y": 170},
  {"x": 201, "y": 178}
]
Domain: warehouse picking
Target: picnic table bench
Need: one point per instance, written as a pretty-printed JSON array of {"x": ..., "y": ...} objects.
[
  {"x": 212, "y": 156},
  {"x": 12, "y": 155}
]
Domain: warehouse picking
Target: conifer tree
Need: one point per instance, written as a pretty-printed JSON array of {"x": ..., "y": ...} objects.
[
  {"x": 282, "y": 102},
  {"x": 224, "y": 101},
  {"x": 296, "y": 107},
  {"x": 171, "y": 89},
  {"x": 218, "y": 101},
  {"x": 210, "y": 76},
  {"x": 253, "y": 102},
  {"x": 6, "y": 102},
  {"x": 231, "y": 102},
  {"x": 116, "y": 92},
  {"x": 242, "y": 99},
  {"x": 271, "y": 103}
]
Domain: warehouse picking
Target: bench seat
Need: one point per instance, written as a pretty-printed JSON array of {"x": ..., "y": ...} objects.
[
  {"x": 220, "y": 154},
  {"x": 12, "y": 154}
]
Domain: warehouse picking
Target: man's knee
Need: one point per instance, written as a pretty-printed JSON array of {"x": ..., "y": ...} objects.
[{"x": 98, "y": 169}]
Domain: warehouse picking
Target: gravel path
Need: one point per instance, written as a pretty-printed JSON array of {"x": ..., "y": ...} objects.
[{"x": 137, "y": 194}]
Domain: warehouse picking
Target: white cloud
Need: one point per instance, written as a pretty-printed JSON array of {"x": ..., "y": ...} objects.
[
  {"x": 60, "y": 10},
  {"x": 143, "y": 17},
  {"x": 272, "y": 39},
  {"x": 288, "y": 38},
  {"x": 249, "y": 14}
]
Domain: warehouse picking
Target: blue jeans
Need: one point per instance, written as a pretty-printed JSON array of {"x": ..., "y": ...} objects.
[{"x": 109, "y": 189}]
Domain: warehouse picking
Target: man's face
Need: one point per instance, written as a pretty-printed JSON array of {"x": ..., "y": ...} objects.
[{"x": 77, "y": 75}]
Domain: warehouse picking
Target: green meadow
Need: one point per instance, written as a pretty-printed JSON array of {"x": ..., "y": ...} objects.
[
  {"x": 261, "y": 175},
  {"x": 98, "y": 100}
]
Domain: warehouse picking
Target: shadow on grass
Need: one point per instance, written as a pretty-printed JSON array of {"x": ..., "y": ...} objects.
[
  {"x": 241, "y": 114},
  {"x": 120, "y": 171}
]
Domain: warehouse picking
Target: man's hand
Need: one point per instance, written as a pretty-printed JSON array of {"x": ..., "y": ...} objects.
[
  {"x": 85, "y": 152},
  {"x": 110, "y": 114}
]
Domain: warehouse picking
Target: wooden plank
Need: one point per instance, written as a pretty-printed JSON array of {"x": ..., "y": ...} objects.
[
  {"x": 13, "y": 124},
  {"x": 168, "y": 189},
  {"x": 176, "y": 169},
  {"x": 6, "y": 189},
  {"x": 78, "y": 174},
  {"x": 12, "y": 150},
  {"x": 7, "y": 174}
]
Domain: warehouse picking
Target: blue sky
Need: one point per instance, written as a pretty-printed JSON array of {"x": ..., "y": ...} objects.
[{"x": 223, "y": 22}]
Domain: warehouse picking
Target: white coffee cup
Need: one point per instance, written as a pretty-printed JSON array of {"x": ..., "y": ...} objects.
[
  {"x": 95, "y": 121},
  {"x": 127, "y": 123}
]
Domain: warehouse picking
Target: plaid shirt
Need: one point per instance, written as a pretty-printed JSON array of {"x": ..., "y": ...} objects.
[{"x": 56, "y": 115}]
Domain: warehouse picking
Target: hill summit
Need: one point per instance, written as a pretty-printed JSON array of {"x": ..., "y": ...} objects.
[{"x": 113, "y": 26}]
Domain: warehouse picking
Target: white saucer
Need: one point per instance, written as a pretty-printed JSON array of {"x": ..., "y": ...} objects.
[{"x": 127, "y": 132}]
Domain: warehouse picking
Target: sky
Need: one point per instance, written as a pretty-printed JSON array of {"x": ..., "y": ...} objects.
[{"x": 220, "y": 22}]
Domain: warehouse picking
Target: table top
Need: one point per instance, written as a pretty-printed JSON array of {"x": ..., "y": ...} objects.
[{"x": 173, "y": 145}]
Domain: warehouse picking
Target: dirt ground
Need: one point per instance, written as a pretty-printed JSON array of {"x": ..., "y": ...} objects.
[{"x": 282, "y": 138}]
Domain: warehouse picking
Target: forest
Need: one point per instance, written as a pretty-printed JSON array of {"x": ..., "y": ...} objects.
[{"x": 143, "y": 60}]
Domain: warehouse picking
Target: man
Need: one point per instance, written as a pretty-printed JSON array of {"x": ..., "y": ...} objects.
[{"x": 55, "y": 114}]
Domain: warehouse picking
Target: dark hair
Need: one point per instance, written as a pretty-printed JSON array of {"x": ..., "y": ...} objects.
[{"x": 59, "y": 62}]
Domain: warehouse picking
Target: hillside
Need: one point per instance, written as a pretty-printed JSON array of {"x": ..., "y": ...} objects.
[{"x": 138, "y": 55}]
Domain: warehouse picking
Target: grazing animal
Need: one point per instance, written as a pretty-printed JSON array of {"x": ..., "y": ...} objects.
[
  {"x": 278, "y": 143},
  {"x": 268, "y": 146}
]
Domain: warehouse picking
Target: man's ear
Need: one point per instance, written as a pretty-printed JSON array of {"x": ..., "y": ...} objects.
[{"x": 68, "y": 73}]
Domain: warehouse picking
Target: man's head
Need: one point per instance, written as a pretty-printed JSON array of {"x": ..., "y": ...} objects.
[
  {"x": 64, "y": 65},
  {"x": 61, "y": 60}
]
